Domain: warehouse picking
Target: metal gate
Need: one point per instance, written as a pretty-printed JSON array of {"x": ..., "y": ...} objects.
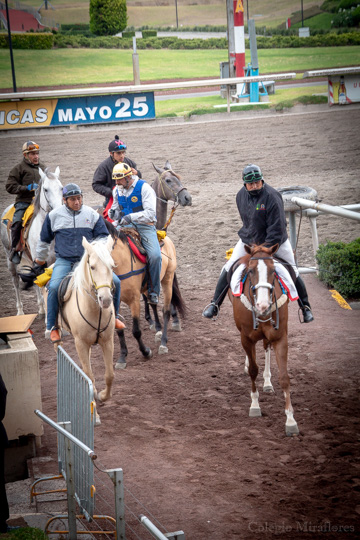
[{"x": 76, "y": 404}]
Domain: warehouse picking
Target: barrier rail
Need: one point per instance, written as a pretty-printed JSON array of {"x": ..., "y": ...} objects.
[
  {"x": 76, "y": 404},
  {"x": 314, "y": 209},
  {"x": 30, "y": 109}
]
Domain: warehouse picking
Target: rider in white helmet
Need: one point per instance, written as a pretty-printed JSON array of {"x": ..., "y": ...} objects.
[{"x": 261, "y": 209}]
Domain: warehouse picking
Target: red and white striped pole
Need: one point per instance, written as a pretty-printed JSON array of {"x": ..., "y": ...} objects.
[{"x": 239, "y": 35}]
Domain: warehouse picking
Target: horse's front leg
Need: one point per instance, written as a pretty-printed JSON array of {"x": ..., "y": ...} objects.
[
  {"x": 40, "y": 302},
  {"x": 136, "y": 331},
  {"x": 148, "y": 317},
  {"x": 253, "y": 369},
  {"x": 15, "y": 279},
  {"x": 268, "y": 387},
  {"x": 121, "y": 363},
  {"x": 281, "y": 351},
  {"x": 107, "y": 346}
]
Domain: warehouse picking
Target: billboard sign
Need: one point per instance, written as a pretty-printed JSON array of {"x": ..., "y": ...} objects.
[{"x": 77, "y": 110}]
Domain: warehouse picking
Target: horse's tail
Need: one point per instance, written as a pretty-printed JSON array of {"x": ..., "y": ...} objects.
[{"x": 177, "y": 299}]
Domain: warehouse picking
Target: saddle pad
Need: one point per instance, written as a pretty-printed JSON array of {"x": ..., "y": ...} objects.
[
  {"x": 9, "y": 214},
  {"x": 236, "y": 284},
  {"x": 26, "y": 217},
  {"x": 135, "y": 250}
]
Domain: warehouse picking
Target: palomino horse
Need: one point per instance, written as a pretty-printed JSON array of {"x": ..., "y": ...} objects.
[
  {"x": 131, "y": 273},
  {"x": 261, "y": 312},
  {"x": 48, "y": 196},
  {"x": 168, "y": 187},
  {"x": 88, "y": 310}
]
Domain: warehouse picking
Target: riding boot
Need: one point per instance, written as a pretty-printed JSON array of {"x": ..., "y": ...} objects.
[
  {"x": 15, "y": 239},
  {"x": 303, "y": 300},
  {"x": 221, "y": 290}
]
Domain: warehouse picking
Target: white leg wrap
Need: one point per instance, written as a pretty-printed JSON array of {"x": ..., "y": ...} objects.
[{"x": 255, "y": 407}]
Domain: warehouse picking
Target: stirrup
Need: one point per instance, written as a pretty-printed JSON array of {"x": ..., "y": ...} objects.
[
  {"x": 306, "y": 314},
  {"x": 211, "y": 311}
]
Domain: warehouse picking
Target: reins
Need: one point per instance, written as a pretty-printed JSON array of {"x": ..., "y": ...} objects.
[
  {"x": 98, "y": 329},
  {"x": 249, "y": 303}
]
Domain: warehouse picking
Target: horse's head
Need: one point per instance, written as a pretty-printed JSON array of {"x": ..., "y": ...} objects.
[
  {"x": 261, "y": 272},
  {"x": 169, "y": 188},
  {"x": 49, "y": 193},
  {"x": 95, "y": 270}
]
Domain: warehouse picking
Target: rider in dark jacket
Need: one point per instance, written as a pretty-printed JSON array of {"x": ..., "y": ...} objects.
[
  {"x": 22, "y": 181},
  {"x": 262, "y": 212},
  {"x": 68, "y": 224},
  {"x": 103, "y": 182}
]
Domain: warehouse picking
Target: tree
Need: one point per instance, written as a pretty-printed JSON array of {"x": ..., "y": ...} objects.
[{"x": 107, "y": 17}]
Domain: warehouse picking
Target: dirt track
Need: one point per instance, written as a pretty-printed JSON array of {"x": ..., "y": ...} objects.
[{"x": 178, "y": 425}]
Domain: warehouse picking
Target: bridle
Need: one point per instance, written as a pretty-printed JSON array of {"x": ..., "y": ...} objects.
[
  {"x": 95, "y": 288},
  {"x": 253, "y": 299},
  {"x": 175, "y": 193}
]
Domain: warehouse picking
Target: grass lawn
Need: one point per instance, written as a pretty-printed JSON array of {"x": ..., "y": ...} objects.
[
  {"x": 58, "y": 67},
  {"x": 146, "y": 12},
  {"x": 185, "y": 106}
]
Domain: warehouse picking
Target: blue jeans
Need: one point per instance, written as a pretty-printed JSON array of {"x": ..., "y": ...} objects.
[
  {"x": 151, "y": 245},
  {"x": 62, "y": 268}
]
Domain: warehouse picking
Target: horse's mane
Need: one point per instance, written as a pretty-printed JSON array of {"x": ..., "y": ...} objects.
[
  {"x": 51, "y": 176},
  {"x": 80, "y": 274},
  {"x": 255, "y": 249}
]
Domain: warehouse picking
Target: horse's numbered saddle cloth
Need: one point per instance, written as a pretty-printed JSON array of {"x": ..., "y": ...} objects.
[{"x": 237, "y": 285}]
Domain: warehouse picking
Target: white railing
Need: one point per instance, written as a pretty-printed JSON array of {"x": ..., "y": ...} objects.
[
  {"x": 314, "y": 209},
  {"x": 71, "y": 92}
]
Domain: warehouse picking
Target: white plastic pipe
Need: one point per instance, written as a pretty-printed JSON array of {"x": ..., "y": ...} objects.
[{"x": 326, "y": 208}]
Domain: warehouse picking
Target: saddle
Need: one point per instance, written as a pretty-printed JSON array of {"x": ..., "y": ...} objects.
[{"x": 134, "y": 243}]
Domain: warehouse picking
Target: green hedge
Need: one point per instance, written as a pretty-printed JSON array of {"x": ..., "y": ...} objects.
[
  {"x": 148, "y": 33},
  {"x": 339, "y": 266},
  {"x": 127, "y": 34},
  {"x": 172, "y": 42},
  {"x": 28, "y": 41}
]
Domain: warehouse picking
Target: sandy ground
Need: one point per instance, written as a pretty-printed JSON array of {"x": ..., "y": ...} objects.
[{"x": 178, "y": 425}]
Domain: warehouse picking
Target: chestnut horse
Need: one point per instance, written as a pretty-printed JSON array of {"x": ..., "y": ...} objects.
[{"x": 261, "y": 312}]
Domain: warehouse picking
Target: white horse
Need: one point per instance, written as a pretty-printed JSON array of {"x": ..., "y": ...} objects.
[
  {"x": 88, "y": 310},
  {"x": 47, "y": 196}
]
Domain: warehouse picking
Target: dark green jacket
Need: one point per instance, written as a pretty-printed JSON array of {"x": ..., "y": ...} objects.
[{"x": 20, "y": 177}]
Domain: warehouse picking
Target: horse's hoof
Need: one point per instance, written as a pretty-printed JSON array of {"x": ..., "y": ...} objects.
[
  {"x": 152, "y": 326},
  {"x": 292, "y": 431},
  {"x": 254, "y": 412},
  {"x": 163, "y": 349},
  {"x": 158, "y": 336},
  {"x": 120, "y": 364},
  {"x": 176, "y": 327},
  {"x": 97, "y": 421},
  {"x": 268, "y": 388},
  {"x": 148, "y": 353}
]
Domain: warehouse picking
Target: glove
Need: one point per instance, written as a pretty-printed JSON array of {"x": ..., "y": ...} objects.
[
  {"x": 111, "y": 213},
  {"x": 32, "y": 187},
  {"x": 38, "y": 268},
  {"x": 126, "y": 220}
]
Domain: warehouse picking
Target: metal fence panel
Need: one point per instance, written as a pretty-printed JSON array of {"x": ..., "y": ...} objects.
[{"x": 75, "y": 404}]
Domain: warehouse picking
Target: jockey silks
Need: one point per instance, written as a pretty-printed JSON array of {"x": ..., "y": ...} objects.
[{"x": 132, "y": 203}]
